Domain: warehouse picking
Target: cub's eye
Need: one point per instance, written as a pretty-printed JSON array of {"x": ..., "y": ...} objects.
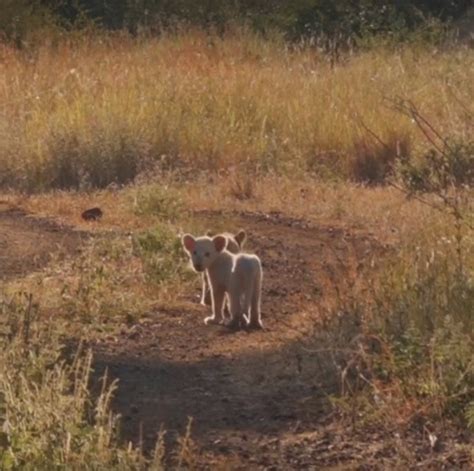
[
  {"x": 194, "y": 252},
  {"x": 207, "y": 254}
]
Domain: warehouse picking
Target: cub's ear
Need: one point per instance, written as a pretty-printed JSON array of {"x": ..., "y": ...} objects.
[
  {"x": 241, "y": 237},
  {"x": 220, "y": 242},
  {"x": 189, "y": 242}
]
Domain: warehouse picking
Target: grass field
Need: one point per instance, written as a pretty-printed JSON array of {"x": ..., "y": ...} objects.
[
  {"x": 87, "y": 113},
  {"x": 369, "y": 288}
]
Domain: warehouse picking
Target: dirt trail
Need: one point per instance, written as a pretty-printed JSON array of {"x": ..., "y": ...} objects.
[
  {"x": 27, "y": 243},
  {"x": 242, "y": 389}
]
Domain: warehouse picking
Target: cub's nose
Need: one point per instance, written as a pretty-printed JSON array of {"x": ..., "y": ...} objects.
[{"x": 198, "y": 267}]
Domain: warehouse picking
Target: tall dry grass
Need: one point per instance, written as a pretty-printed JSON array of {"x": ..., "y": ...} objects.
[{"x": 91, "y": 111}]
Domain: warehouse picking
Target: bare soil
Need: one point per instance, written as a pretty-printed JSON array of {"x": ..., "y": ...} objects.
[
  {"x": 27, "y": 243},
  {"x": 258, "y": 400}
]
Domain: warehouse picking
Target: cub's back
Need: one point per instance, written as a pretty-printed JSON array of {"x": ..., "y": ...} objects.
[{"x": 247, "y": 264}]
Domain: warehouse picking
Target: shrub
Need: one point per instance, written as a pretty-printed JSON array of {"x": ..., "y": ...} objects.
[
  {"x": 411, "y": 356},
  {"x": 338, "y": 21},
  {"x": 21, "y": 20},
  {"x": 417, "y": 347},
  {"x": 424, "y": 316}
]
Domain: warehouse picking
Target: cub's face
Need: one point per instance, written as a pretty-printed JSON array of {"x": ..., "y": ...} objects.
[{"x": 203, "y": 251}]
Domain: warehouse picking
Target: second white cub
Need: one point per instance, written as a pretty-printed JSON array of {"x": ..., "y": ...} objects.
[
  {"x": 235, "y": 242},
  {"x": 239, "y": 276}
]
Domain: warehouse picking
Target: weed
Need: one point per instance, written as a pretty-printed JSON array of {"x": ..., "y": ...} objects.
[{"x": 93, "y": 287}]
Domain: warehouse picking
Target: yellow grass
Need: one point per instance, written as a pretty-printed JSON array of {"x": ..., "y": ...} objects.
[{"x": 88, "y": 113}]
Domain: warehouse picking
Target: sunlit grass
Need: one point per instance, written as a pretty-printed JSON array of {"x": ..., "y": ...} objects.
[{"x": 87, "y": 113}]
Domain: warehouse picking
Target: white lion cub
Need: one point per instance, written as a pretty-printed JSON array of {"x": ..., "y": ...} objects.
[
  {"x": 239, "y": 276},
  {"x": 234, "y": 245}
]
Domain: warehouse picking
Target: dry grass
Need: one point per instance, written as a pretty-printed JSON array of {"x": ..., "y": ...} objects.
[{"x": 205, "y": 102}]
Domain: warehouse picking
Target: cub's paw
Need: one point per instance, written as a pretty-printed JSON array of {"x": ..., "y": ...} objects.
[
  {"x": 254, "y": 325},
  {"x": 211, "y": 320}
]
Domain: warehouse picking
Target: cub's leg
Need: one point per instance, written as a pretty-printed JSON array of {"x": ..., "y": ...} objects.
[
  {"x": 255, "y": 318},
  {"x": 247, "y": 297},
  {"x": 235, "y": 309},
  {"x": 226, "y": 308},
  {"x": 217, "y": 298},
  {"x": 205, "y": 291}
]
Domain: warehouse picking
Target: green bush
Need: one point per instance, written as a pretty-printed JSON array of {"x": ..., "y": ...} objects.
[
  {"x": 424, "y": 314},
  {"x": 414, "y": 344}
]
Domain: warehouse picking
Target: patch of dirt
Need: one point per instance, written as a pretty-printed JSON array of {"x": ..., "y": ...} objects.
[{"x": 27, "y": 243}]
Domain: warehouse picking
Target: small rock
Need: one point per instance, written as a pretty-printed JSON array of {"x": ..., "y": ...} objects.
[{"x": 92, "y": 214}]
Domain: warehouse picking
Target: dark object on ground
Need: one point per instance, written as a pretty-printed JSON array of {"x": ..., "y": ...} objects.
[{"x": 92, "y": 214}]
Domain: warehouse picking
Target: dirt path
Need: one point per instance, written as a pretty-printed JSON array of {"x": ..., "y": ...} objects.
[
  {"x": 27, "y": 243},
  {"x": 243, "y": 390}
]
